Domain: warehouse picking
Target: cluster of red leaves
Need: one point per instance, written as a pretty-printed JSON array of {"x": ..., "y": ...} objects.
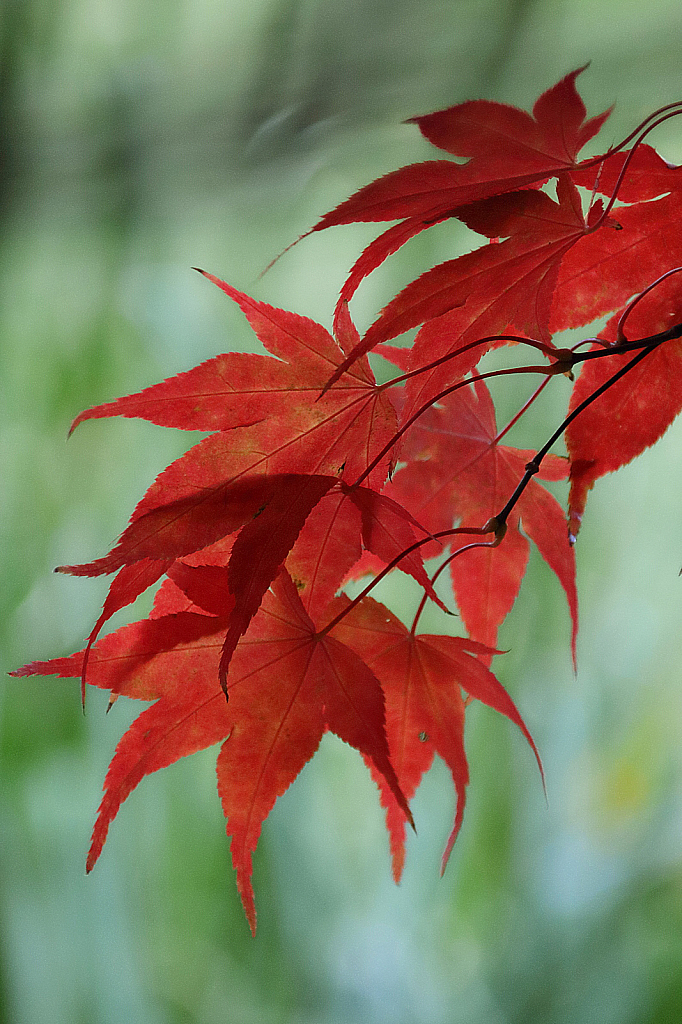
[{"x": 295, "y": 489}]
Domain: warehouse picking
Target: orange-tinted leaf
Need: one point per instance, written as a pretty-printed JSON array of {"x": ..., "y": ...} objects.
[
  {"x": 127, "y": 585},
  {"x": 287, "y": 685},
  {"x": 148, "y": 659},
  {"x": 238, "y": 389}
]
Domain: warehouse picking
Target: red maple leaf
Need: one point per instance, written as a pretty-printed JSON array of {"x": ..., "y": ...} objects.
[
  {"x": 638, "y": 409},
  {"x": 506, "y": 149},
  {"x": 266, "y": 415},
  {"x": 422, "y": 677},
  {"x": 288, "y": 684}
]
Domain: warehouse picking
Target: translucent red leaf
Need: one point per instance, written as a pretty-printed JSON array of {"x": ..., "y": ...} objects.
[
  {"x": 507, "y": 149},
  {"x": 207, "y": 586},
  {"x": 326, "y": 548},
  {"x": 604, "y": 269},
  {"x": 148, "y": 659},
  {"x": 637, "y": 410},
  {"x": 287, "y": 685},
  {"x": 422, "y": 677},
  {"x": 507, "y": 140},
  {"x": 457, "y": 473},
  {"x": 376, "y": 252},
  {"x": 173, "y": 528}
]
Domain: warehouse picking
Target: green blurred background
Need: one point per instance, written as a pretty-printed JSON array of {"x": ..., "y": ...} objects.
[{"x": 137, "y": 140}]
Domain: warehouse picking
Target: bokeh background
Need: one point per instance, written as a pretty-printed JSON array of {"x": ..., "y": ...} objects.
[{"x": 139, "y": 139}]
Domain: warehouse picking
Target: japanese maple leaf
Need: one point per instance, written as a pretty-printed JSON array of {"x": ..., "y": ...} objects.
[
  {"x": 272, "y": 435},
  {"x": 237, "y": 389},
  {"x": 457, "y": 471},
  {"x": 288, "y": 684},
  {"x": 232, "y": 476},
  {"x": 606, "y": 268},
  {"x": 636, "y": 411},
  {"x": 267, "y": 417},
  {"x": 505, "y": 149},
  {"x": 422, "y": 677}
]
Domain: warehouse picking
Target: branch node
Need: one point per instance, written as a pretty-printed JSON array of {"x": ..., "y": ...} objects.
[
  {"x": 498, "y": 527},
  {"x": 564, "y": 360}
]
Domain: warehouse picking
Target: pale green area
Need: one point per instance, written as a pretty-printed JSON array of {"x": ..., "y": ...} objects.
[{"x": 137, "y": 140}]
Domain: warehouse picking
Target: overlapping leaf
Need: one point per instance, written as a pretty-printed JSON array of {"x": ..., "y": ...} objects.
[
  {"x": 422, "y": 677},
  {"x": 457, "y": 472},
  {"x": 496, "y": 289},
  {"x": 516, "y": 275},
  {"x": 506, "y": 149},
  {"x": 604, "y": 269},
  {"x": 220, "y": 484}
]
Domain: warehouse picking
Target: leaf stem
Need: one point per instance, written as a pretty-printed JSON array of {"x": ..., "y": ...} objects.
[
  {"x": 524, "y": 408},
  {"x": 443, "y": 394},
  {"x": 479, "y": 530},
  {"x": 439, "y": 570},
  {"x": 619, "y": 180},
  {"x": 675, "y": 107},
  {"x": 533, "y": 466},
  {"x": 547, "y": 350}
]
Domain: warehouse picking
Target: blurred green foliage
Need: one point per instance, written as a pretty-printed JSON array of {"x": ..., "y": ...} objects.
[{"x": 135, "y": 141}]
